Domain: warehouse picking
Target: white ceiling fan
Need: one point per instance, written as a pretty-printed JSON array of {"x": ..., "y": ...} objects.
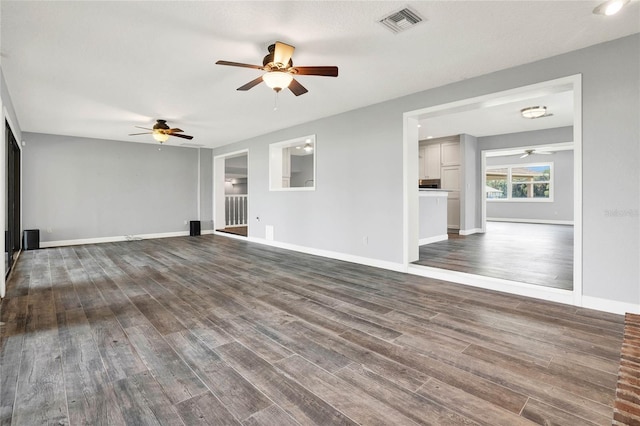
[{"x": 528, "y": 152}]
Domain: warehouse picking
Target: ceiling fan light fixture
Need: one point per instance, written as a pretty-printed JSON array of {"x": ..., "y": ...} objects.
[
  {"x": 610, "y": 7},
  {"x": 160, "y": 137},
  {"x": 277, "y": 80},
  {"x": 533, "y": 112},
  {"x": 308, "y": 147}
]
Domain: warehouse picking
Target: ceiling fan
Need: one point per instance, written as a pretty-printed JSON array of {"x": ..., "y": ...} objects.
[
  {"x": 528, "y": 152},
  {"x": 280, "y": 70},
  {"x": 161, "y": 132}
]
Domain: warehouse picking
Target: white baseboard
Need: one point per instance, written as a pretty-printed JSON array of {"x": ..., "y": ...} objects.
[
  {"x": 430, "y": 240},
  {"x": 398, "y": 267},
  {"x": 542, "y": 221},
  {"x": 470, "y": 231},
  {"x": 497, "y": 284},
  {"x": 612, "y": 306},
  {"x": 62, "y": 243}
]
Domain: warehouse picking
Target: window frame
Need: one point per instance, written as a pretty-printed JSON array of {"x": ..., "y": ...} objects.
[
  {"x": 510, "y": 182},
  {"x": 276, "y": 163}
]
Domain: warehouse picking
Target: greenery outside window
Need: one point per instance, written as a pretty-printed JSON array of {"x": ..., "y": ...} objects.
[{"x": 520, "y": 182}]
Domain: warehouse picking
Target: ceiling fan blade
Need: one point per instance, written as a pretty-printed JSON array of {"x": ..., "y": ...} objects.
[
  {"x": 544, "y": 152},
  {"x": 145, "y": 128},
  {"x": 251, "y": 84},
  {"x": 176, "y": 130},
  {"x": 526, "y": 154},
  {"x": 322, "y": 71},
  {"x": 178, "y": 135},
  {"x": 297, "y": 88},
  {"x": 238, "y": 64},
  {"x": 282, "y": 54},
  {"x": 145, "y": 133}
]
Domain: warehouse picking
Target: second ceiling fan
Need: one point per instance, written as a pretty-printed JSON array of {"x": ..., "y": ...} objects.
[
  {"x": 280, "y": 70},
  {"x": 528, "y": 152}
]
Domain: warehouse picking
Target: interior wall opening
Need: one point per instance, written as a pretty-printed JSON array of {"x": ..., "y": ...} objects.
[
  {"x": 231, "y": 194},
  {"x": 494, "y": 125}
]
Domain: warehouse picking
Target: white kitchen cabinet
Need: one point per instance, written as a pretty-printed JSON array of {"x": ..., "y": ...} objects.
[
  {"x": 450, "y": 154},
  {"x": 422, "y": 158},
  {"x": 453, "y": 210},
  {"x": 450, "y": 178},
  {"x": 432, "y": 161}
]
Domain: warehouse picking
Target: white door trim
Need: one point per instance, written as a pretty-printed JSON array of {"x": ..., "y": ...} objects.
[
  {"x": 218, "y": 185},
  {"x": 410, "y": 174}
]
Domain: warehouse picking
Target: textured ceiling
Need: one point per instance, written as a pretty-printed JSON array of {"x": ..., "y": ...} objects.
[{"x": 96, "y": 69}]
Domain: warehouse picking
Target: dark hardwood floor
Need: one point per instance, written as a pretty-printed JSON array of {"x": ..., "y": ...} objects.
[
  {"x": 236, "y": 230},
  {"x": 221, "y": 331},
  {"x": 526, "y": 252}
]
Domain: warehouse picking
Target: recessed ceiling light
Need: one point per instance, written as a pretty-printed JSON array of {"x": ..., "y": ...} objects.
[
  {"x": 429, "y": 137},
  {"x": 533, "y": 112},
  {"x": 419, "y": 125},
  {"x": 610, "y": 7}
]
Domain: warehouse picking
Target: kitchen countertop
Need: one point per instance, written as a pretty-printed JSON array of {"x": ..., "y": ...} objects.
[{"x": 433, "y": 192}]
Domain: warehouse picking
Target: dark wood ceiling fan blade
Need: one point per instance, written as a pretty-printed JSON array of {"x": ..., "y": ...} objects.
[
  {"x": 135, "y": 134},
  {"x": 321, "y": 71},
  {"x": 283, "y": 52},
  {"x": 178, "y": 135},
  {"x": 251, "y": 84},
  {"x": 297, "y": 88},
  {"x": 176, "y": 130},
  {"x": 238, "y": 64}
]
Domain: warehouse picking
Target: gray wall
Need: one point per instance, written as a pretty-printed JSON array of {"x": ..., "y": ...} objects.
[
  {"x": 237, "y": 186},
  {"x": 363, "y": 149},
  {"x": 520, "y": 139},
  {"x": 301, "y": 170},
  {"x": 76, "y": 188},
  {"x": 561, "y": 209}
]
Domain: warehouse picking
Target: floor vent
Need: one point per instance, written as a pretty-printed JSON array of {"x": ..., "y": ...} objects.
[{"x": 401, "y": 20}]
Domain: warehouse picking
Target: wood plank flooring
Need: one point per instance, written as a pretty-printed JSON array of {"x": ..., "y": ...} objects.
[
  {"x": 237, "y": 230},
  {"x": 531, "y": 253},
  {"x": 221, "y": 331}
]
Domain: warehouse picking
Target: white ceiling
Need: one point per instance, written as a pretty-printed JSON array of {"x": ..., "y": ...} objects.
[
  {"x": 502, "y": 117},
  {"x": 96, "y": 69}
]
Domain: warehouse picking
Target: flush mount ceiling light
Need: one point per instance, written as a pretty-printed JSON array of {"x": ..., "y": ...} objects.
[
  {"x": 534, "y": 112},
  {"x": 277, "y": 80},
  {"x": 610, "y": 7}
]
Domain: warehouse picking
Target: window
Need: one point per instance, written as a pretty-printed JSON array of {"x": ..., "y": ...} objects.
[
  {"x": 292, "y": 165},
  {"x": 520, "y": 182}
]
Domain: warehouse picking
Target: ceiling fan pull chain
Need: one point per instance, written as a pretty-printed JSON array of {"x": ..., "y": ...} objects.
[{"x": 275, "y": 102}]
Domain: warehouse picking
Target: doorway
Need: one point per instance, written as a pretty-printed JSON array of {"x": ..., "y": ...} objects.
[
  {"x": 412, "y": 119},
  {"x": 231, "y": 194},
  {"x": 12, "y": 191}
]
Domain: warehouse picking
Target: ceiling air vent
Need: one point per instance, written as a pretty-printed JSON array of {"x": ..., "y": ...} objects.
[{"x": 401, "y": 20}]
